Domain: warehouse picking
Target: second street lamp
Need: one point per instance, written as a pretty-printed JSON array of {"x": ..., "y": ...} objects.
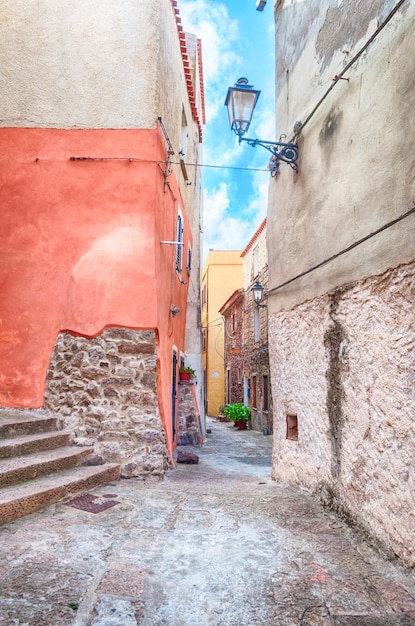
[{"x": 258, "y": 293}]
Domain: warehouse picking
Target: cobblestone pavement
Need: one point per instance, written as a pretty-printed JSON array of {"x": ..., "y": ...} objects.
[{"x": 214, "y": 544}]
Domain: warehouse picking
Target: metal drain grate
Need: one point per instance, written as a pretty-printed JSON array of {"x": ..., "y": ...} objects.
[{"x": 93, "y": 504}]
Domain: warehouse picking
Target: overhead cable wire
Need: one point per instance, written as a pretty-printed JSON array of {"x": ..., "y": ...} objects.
[
  {"x": 137, "y": 159},
  {"x": 352, "y": 61},
  {"x": 335, "y": 256}
]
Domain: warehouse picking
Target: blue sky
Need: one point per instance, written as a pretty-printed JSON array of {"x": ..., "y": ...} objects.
[{"x": 237, "y": 40}]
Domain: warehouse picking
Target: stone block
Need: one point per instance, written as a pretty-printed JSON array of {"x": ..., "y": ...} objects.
[
  {"x": 137, "y": 348},
  {"x": 187, "y": 457}
]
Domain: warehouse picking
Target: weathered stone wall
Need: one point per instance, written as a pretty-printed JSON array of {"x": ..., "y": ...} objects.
[
  {"x": 104, "y": 390},
  {"x": 234, "y": 349},
  {"x": 188, "y": 417},
  {"x": 344, "y": 363},
  {"x": 256, "y": 361}
]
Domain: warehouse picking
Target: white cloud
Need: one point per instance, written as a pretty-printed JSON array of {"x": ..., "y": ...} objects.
[
  {"x": 235, "y": 202},
  {"x": 257, "y": 205},
  {"x": 224, "y": 231},
  {"x": 211, "y": 22}
]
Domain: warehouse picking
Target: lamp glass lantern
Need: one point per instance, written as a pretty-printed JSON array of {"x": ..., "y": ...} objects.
[
  {"x": 257, "y": 292},
  {"x": 241, "y": 101}
]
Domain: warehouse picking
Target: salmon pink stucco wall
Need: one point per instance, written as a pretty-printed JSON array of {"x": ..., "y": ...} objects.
[
  {"x": 80, "y": 248},
  {"x": 171, "y": 289}
]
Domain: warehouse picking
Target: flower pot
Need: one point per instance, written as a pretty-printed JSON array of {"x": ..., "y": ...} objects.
[
  {"x": 241, "y": 424},
  {"x": 185, "y": 376}
]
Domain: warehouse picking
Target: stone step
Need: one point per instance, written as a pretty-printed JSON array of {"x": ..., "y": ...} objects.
[
  {"x": 18, "y": 501},
  {"x": 29, "y": 444},
  {"x": 24, "y": 468},
  {"x": 14, "y": 423}
]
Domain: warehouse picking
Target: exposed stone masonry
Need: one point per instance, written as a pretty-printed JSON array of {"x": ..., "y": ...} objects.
[
  {"x": 344, "y": 363},
  {"x": 104, "y": 390},
  {"x": 188, "y": 420}
]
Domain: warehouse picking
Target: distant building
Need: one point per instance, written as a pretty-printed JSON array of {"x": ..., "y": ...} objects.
[
  {"x": 255, "y": 335},
  {"x": 233, "y": 315},
  {"x": 247, "y": 377},
  {"x": 222, "y": 275},
  {"x": 341, "y": 253}
]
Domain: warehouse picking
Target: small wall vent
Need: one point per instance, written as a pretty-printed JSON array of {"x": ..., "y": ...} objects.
[{"x": 292, "y": 427}]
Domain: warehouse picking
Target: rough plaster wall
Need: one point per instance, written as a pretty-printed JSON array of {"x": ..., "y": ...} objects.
[
  {"x": 357, "y": 166},
  {"x": 79, "y": 64},
  {"x": 377, "y": 472},
  {"x": 104, "y": 390},
  {"x": 345, "y": 364},
  {"x": 346, "y": 24},
  {"x": 298, "y": 365}
]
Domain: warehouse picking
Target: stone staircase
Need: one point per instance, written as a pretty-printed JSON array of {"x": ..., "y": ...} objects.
[{"x": 39, "y": 467}]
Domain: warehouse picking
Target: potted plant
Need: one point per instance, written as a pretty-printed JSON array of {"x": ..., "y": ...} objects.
[
  {"x": 238, "y": 413},
  {"x": 222, "y": 417},
  {"x": 186, "y": 373}
]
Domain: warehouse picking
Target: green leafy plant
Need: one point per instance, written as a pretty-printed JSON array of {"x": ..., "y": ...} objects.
[
  {"x": 237, "y": 411},
  {"x": 184, "y": 369}
]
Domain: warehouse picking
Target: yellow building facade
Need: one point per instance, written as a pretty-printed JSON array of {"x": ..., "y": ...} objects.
[{"x": 222, "y": 275}]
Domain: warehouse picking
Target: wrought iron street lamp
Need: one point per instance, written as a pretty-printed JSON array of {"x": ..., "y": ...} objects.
[
  {"x": 258, "y": 293},
  {"x": 241, "y": 101}
]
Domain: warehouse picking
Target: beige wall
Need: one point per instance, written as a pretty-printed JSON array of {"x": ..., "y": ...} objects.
[
  {"x": 356, "y": 159},
  {"x": 342, "y": 337},
  {"x": 79, "y": 64}
]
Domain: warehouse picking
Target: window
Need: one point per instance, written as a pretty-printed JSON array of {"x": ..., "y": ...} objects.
[
  {"x": 254, "y": 399},
  {"x": 183, "y": 137},
  {"x": 189, "y": 258},
  {"x": 255, "y": 261},
  {"x": 179, "y": 239},
  {"x": 292, "y": 427},
  {"x": 204, "y": 340},
  {"x": 256, "y": 324},
  {"x": 183, "y": 145},
  {"x": 265, "y": 401}
]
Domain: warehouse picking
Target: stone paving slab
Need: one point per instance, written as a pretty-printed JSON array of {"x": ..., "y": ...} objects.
[{"x": 214, "y": 544}]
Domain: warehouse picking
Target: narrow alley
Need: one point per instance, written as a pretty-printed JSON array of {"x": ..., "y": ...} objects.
[{"x": 214, "y": 544}]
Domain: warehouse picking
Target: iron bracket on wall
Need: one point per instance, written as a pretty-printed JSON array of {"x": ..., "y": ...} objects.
[
  {"x": 281, "y": 153},
  {"x": 170, "y": 152}
]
